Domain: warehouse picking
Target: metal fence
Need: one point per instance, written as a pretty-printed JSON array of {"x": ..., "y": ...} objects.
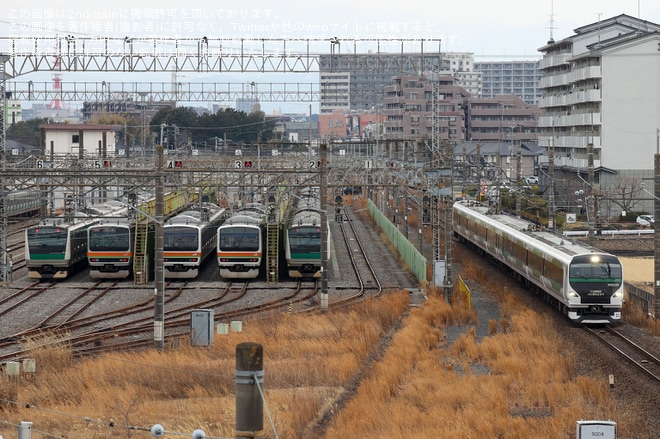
[{"x": 640, "y": 298}]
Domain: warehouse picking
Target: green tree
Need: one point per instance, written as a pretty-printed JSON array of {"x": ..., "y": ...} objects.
[
  {"x": 228, "y": 123},
  {"x": 26, "y": 131}
]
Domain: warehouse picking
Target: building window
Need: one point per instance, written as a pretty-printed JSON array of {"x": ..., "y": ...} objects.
[{"x": 75, "y": 138}]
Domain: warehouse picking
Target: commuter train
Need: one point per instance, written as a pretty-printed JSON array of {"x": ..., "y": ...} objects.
[
  {"x": 241, "y": 243},
  {"x": 583, "y": 282},
  {"x": 111, "y": 248},
  {"x": 110, "y": 242},
  {"x": 302, "y": 240},
  {"x": 22, "y": 203},
  {"x": 189, "y": 238},
  {"x": 57, "y": 246}
]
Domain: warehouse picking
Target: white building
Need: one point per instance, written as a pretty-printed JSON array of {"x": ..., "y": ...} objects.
[
  {"x": 94, "y": 140},
  {"x": 602, "y": 86}
]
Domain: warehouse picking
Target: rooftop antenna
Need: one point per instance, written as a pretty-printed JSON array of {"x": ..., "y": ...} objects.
[{"x": 552, "y": 21}]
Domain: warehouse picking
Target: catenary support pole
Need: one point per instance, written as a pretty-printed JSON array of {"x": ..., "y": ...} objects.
[
  {"x": 159, "y": 308},
  {"x": 656, "y": 240}
]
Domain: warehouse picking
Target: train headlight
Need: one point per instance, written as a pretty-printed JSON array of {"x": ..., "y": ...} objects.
[
  {"x": 617, "y": 295},
  {"x": 573, "y": 295}
]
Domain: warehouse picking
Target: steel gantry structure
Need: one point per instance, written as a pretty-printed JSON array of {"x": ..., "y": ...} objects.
[{"x": 21, "y": 56}]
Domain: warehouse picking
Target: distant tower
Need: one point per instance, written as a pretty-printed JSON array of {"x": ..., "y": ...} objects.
[
  {"x": 57, "y": 103},
  {"x": 552, "y": 22}
]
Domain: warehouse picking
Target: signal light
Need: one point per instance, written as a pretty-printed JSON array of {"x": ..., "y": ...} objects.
[{"x": 426, "y": 216}]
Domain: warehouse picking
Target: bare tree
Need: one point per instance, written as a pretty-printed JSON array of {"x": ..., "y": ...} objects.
[{"x": 626, "y": 193}]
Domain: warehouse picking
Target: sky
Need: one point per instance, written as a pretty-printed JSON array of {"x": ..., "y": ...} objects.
[{"x": 506, "y": 29}]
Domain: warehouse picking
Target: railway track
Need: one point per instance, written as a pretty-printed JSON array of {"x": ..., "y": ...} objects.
[
  {"x": 56, "y": 319},
  {"x": 639, "y": 357},
  {"x": 131, "y": 326},
  {"x": 136, "y": 333},
  {"x": 361, "y": 263},
  {"x": 22, "y": 296}
]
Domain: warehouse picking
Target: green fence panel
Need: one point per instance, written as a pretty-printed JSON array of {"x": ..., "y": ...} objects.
[{"x": 407, "y": 251}]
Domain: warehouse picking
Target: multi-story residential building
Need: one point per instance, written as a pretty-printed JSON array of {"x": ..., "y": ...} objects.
[
  {"x": 519, "y": 78},
  {"x": 355, "y": 82},
  {"x": 502, "y": 118},
  {"x": 601, "y": 86},
  {"x": 423, "y": 107},
  {"x": 415, "y": 107}
]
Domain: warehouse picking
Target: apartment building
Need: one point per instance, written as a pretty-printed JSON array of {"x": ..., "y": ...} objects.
[
  {"x": 601, "y": 86},
  {"x": 355, "y": 82},
  {"x": 416, "y": 108},
  {"x": 435, "y": 105},
  {"x": 519, "y": 78},
  {"x": 502, "y": 118}
]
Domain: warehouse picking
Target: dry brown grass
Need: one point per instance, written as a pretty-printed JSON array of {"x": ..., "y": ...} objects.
[
  {"x": 641, "y": 272},
  {"x": 520, "y": 381},
  {"x": 515, "y": 383},
  {"x": 308, "y": 360}
]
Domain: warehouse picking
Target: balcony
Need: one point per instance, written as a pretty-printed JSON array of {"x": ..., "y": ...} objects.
[
  {"x": 553, "y": 81},
  {"x": 553, "y": 60},
  {"x": 552, "y": 101},
  {"x": 583, "y": 73}
]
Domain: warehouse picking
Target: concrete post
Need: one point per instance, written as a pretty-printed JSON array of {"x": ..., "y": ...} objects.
[{"x": 249, "y": 385}]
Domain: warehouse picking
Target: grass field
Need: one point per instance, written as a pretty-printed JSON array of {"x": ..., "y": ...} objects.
[{"x": 637, "y": 270}]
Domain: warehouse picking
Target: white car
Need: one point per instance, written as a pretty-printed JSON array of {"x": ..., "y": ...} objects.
[
  {"x": 645, "y": 220},
  {"x": 532, "y": 180}
]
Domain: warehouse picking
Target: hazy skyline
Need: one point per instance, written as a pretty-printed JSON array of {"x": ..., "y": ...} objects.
[{"x": 488, "y": 29}]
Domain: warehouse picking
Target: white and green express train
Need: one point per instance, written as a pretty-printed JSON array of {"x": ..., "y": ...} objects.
[{"x": 585, "y": 283}]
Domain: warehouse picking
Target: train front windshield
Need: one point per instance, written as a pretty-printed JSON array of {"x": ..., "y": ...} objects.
[
  {"x": 600, "y": 268},
  {"x": 238, "y": 238},
  {"x": 47, "y": 240},
  {"x": 106, "y": 238},
  {"x": 181, "y": 239},
  {"x": 305, "y": 239}
]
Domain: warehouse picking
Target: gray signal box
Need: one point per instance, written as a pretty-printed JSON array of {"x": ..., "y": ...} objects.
[
  {"x": 596, "y": 429},
  {"x": 201, "y": 327}
]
